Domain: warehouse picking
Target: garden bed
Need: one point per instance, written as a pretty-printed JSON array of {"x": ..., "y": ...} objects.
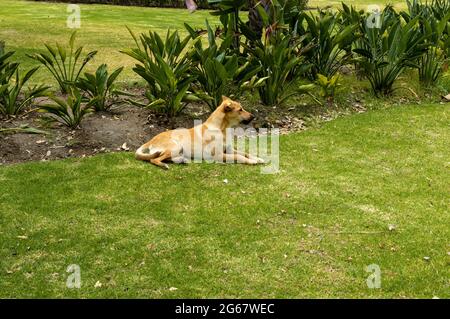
[{"x": 123, "y": 129}]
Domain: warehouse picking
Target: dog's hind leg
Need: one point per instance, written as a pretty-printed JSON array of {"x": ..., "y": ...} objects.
[
  {"x": 144, "y": 154},
  {"x": 158, "y": 161}
]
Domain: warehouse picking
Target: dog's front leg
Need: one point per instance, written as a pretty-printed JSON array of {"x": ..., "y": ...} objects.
[
  {"x": 237, "y": 158},
  {"x": 230, "y": 150}
]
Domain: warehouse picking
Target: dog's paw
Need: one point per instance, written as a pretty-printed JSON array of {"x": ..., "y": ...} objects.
[
  {"x": 260, "y": 160},
  {"x": 179, "y": 160},
  {"x": 252, "y": 161}
]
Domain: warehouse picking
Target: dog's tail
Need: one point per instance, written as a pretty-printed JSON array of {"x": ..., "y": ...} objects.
[{"x": 144, "y": 153}]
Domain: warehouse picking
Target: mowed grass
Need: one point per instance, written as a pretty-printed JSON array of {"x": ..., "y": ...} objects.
[
  {"x": 309, "y": 231},
  {"x": 361, "y": 4},
  {"x": 26, "y": 25}
]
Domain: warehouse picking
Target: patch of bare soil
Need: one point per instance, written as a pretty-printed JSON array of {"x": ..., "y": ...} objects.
[{"x": 124, "y": 129}]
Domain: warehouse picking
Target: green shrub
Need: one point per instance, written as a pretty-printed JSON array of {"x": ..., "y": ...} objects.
[
  {"x": 13, "y": 97},
  {"x": 167, "y": 69},
  {"x": 441, "y": 11},
  {"x": 349, "y": 16},
  {"x": 433, "y": 24},
  {"x": 331, "y": 42},
  {"x": 435, "y": 61},
  {"x": 415, "y": 8},
  {"x": 385, "y": 52},
  {"x": 65, "y": 66},
  {"x": 7, "y": 69},
  {"x": 430, "y": 65},
  {"x": 278, "y": 53},
  {"x": 228, "y": 13},
  {"x": 71, "y": 111},
  {"x": 217, "y": 70},
  {"x": 100, "y": 88},
  {"x": 440, "y": 8},
  {"x": 328, "y": 86},
  {"x": 292, "y": 9},
  {"x": 279, "y": 58}
]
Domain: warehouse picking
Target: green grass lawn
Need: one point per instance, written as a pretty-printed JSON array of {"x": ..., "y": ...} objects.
[
  {"x": 308, "y": 231},
  {"x": 27, "y": 25},
  {"x": 358, "y": 3}
]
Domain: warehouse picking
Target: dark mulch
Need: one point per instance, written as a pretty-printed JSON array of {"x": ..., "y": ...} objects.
[{"x": 123, "y": 129}]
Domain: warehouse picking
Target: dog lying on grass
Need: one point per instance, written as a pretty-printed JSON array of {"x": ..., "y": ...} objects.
[{"x": 184, "y": 145}]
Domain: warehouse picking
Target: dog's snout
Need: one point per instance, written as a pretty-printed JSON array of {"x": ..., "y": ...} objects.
[{"x": 248, "y": 119}]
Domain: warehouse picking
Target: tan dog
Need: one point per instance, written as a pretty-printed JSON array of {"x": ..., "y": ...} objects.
[{"x": 183, "y": 145}]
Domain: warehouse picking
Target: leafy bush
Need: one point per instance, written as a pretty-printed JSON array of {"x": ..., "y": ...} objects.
[
  {"x": 349, "y": 15},
  {"x": 292, "y": 10},
  {"x": 63, "y": 65},
  {"x": 281, "y": 63},
  {"x": 228, "y": 13},
  {"x": 99, "y": 87},
  {"x": 415, "y": 9},
  {"x": 331, "y": 42},
  {"x": 271, "y": 14},
  {"x": 260, "y": 15},
  {"x": 440, "y": 8},
  {"x": 7, "y": 68},
  {"x": 385, "y": 52},
  {"x": 328, "y": 86},
  {"x": 217, "y": 70},
  {"x": 13, "y": 97},
  {"x": 70, "y": 112},
  {"x": 434, "y": 26},
  {"x": 441, "y": 11},
  {"x": 166, "y": 68},
  {"x": 430, "y": 64}
]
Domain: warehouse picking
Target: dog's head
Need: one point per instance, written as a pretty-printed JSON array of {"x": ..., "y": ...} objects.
[{"x": 234, "y": 113}]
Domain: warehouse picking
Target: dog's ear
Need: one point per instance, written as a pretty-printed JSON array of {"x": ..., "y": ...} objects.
[
  {"x": 227, "y": 108},
  {"x": 225, "y": 98}
]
